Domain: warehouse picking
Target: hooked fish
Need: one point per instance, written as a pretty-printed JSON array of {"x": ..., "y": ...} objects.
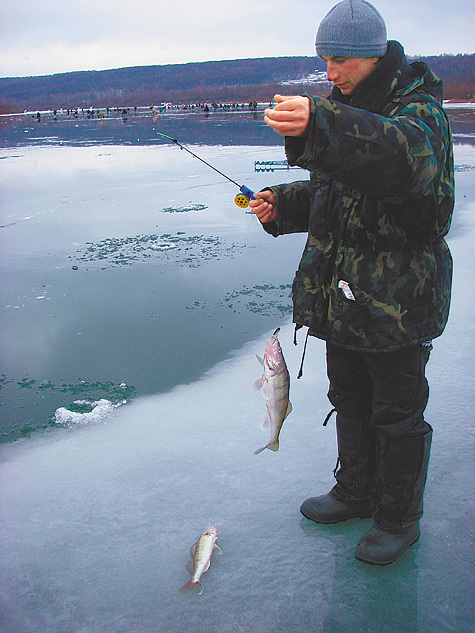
[
  {"x": 201, "y": 552},
  {"x": 275, "y": 386}
]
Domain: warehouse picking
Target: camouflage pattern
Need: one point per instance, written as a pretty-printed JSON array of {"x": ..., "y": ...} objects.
[{"x": 377, "y": 207}]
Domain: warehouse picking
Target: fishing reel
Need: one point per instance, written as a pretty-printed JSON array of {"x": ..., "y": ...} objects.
[{"x": 242, "y": 199}]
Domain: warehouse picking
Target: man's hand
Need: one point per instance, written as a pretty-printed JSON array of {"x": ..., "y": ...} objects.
[
  {"x": 264, "y": 206},
  {"x": 290, "y": 116}
]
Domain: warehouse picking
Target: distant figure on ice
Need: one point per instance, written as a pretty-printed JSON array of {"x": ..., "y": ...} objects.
[{"x": 374, "y": 280}]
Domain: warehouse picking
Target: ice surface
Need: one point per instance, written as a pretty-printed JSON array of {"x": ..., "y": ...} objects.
[
  {"x": 96, "y": 520},
  {"x": 96, "y": 525}
]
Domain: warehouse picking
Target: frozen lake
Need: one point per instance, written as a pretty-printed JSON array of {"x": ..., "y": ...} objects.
[
  {"x": 134, "y": 297},
  {"x": 127, "y": 269}
]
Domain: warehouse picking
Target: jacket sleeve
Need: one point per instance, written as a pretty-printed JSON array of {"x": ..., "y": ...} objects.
[
  {"x": 391, "y": 158},
  {"x": 293, "y": 208}
]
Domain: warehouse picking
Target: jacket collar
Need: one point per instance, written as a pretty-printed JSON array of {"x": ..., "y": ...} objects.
[{"x": 372, "y": 93}]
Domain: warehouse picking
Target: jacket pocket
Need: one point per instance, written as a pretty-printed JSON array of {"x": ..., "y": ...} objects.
[
  {"x": 347, "y": 295},
  {"x": 349, "y": 315}
]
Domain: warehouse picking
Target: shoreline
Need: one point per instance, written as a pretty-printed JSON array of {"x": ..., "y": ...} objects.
[{"x": 181, "y": 108}]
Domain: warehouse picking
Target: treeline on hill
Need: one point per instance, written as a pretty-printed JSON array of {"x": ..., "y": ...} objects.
[
  {"x": 223, "y": 81},
  {"x": 151, "y": 85}
]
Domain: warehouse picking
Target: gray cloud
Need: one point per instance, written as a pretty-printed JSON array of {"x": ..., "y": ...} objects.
[{"x": 55, "y": 36}]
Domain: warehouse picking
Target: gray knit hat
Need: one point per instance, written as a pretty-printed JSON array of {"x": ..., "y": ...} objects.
[{"x": 353, "y": 28}]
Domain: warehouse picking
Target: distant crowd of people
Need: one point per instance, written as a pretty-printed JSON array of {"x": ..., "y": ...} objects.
[{"x": 101, "y": 113}]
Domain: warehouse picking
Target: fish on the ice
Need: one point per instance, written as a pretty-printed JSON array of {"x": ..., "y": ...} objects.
[
  {"x": 201, "y": 552},
  {"x": 275, "y": 386}
]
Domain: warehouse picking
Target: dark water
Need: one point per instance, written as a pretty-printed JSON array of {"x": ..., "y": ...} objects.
[
  {"x": 126, "y": 267},
  {"x": 241, "y": 127}
]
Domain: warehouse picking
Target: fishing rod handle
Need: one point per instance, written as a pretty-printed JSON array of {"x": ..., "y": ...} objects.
[{"x": 247, "y": 192}]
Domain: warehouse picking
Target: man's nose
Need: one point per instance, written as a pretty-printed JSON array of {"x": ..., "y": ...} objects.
[{"x": 332, "y": 72}]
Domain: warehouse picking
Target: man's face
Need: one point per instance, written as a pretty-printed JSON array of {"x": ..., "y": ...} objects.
[{"x": 347, "y": 72}]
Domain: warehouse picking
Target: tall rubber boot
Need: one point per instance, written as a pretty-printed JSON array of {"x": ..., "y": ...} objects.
[
  {"x": 402, "y": 473},
  {"x": 352, "y": 496}
]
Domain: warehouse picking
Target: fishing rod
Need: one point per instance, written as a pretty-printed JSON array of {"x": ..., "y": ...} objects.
[{"x": 242, "y": 199}]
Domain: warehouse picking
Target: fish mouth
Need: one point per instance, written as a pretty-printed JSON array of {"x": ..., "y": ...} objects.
[{"x": 276, "y": 332}]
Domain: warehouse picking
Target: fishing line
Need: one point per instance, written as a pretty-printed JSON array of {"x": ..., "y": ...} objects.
[{"x": 242, "y": 198}]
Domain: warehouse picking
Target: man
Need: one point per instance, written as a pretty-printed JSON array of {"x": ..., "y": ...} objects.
[{"x": 375, "y": 276}]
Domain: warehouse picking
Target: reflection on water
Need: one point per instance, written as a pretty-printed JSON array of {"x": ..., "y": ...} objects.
[
  {"x": 127, "y": 269},
  {"x": 241, "y": 127}
]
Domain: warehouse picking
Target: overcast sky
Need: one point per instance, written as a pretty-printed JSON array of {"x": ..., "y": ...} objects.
[{"x": 40, "y": 37}]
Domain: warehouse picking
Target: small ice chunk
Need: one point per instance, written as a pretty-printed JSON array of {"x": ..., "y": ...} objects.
[{"x": 100, "y": 409}]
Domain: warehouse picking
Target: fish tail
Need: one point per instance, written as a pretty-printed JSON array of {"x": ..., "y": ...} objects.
[
  {"x": 192, "y": 585},
  {"x": 274, "y": 446}
]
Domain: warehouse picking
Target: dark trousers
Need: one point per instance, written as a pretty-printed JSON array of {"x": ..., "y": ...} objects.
[{"x": 389, "y": 389}]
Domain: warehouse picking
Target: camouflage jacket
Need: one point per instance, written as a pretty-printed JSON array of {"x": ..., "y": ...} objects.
[{"x": 376, "y": 271}]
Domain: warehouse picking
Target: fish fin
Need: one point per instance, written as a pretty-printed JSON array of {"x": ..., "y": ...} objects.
[
  {"x": 273, "y": 447},
  {"x": 265, "y": 422},
  {"x": 260, "y": 360},
  {"x": 289, "y": 410},
  {"x": 206, "y": 566},
  {"x": 193, "y": 549},
  {"x": 193, "y": 585},
  {"x": 257, "y": 386},
  {"x": 189, "y": 567},
  {"x": 220, "y": 551}
]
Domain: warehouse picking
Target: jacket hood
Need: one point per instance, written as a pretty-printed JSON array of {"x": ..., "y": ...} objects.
[
  {"x": 392, "y": 75},
  {"x": 419, "y": 75}
]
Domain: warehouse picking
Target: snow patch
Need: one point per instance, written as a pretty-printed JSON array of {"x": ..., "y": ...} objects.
[{"x": 99, "y": 411}]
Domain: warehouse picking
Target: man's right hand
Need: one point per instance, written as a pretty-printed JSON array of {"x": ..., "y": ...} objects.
[
  {"x": 264, "y": 206},
  {"x": 290, "y": 116}
]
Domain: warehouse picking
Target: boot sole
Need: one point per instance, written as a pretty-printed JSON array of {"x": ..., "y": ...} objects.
[
  {"x": 388, "y": 562},
  {"x": 355, "y": 516}
]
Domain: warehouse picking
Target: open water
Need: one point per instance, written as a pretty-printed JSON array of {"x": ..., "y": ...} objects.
[
  {"x": 126, "y": 266},
  {"x": 134, "y": 296}
]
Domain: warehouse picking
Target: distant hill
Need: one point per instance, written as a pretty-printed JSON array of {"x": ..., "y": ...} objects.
[{"x": 241, "y": 80}]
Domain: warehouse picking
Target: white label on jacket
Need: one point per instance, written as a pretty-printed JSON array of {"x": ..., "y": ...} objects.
[{"x": 345, "y": 287}]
